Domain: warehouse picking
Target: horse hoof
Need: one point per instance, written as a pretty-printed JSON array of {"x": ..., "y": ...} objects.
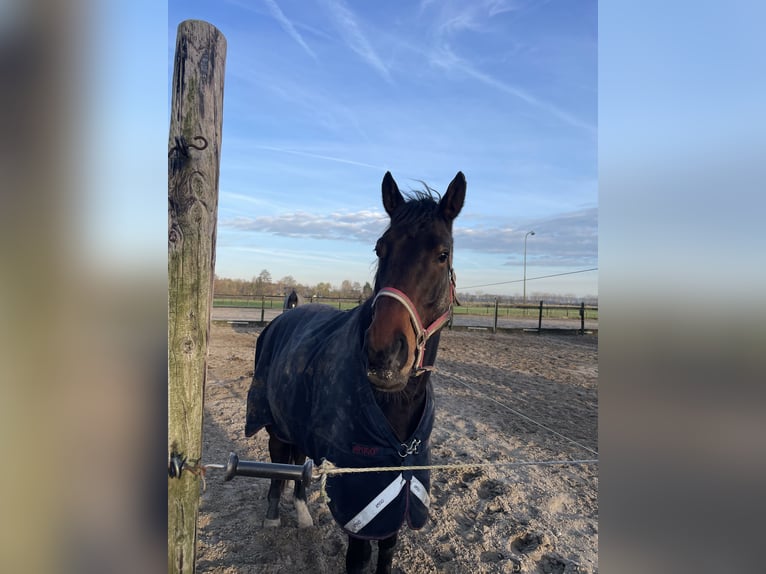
[
  {"x": 306, "y": 522},
  {"x": 271, "y": 522}
]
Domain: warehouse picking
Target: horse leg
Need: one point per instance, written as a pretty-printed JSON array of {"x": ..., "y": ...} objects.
[
  {"x": 386, "y": 554},
  {"x": 357, "y": 555},
  {"x": 299, "y": 495},
  {"x": 280, "y": 453}
]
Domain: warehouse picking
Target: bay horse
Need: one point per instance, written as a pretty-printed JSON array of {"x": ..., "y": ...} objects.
[{"x": 354, "y": 387}]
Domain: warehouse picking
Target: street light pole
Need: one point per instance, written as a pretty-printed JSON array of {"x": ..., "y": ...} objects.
[{"x": 525, "y": 266}]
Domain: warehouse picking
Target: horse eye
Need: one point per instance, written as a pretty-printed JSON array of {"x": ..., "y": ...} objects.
[{"x": 443, "y": 256}]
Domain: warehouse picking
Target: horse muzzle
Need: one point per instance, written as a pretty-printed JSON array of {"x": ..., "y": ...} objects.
[
  {"x": 388, "y": 366},
  {"x": 387, "y": 381}
]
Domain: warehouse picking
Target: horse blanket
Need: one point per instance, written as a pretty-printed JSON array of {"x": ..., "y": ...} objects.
[{"x": 310, "y": 385}]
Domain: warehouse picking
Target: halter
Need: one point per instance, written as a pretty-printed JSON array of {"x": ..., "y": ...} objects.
[{"x": 422, "y": 334}]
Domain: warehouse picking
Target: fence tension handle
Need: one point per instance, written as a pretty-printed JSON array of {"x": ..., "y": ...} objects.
[{"x": 236, "y": 467}]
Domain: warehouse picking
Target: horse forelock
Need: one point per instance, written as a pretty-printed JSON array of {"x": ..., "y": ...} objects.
[{"x": 421, "y": 205}]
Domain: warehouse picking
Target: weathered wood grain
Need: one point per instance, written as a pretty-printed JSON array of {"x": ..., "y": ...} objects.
[{"x": 193, "y": 173}]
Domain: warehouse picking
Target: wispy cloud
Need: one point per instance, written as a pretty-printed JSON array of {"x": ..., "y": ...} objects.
[
  {"x": 365, "y": 226},
  {"x": 287, "y": 254},
  {"x": 307, "y": 101},
  {"x": 242, "y": 197},
  {"x": 456, "y": 17},
  {"x": 320, "y": 156},
  {"x": 445, "y": 58},
  {"x": 495, "y": 7},
  {"x": 563, "y": 240},
  {"x": 355, "y": 39},
  {"x": 288, "y": 27}
]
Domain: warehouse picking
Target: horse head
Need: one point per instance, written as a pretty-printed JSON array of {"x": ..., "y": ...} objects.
[{"x": 414, "y": 284}]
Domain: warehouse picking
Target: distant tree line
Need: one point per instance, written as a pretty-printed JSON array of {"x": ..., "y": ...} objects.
[{"x": 263, "y": 284}]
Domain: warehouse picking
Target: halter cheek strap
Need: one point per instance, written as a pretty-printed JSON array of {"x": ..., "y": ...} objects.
[{"x": 422, "y": 334}]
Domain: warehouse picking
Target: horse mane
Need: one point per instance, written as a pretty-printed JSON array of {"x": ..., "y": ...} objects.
[
  {"x": 426, "y": 192},
  {"x": 420, "y": 205}
]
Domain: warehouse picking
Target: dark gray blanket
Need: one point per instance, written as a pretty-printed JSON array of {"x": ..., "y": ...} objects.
[{"x": 310, "y": 386}]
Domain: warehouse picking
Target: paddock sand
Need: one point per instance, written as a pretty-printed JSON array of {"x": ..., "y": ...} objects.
[{"x": 532, "y": 519}]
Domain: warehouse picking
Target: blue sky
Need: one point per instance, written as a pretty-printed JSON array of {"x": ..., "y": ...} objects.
[{"x": 321, "y": 98}]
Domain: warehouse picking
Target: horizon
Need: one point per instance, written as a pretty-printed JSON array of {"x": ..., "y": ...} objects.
[
  {"x": 293, "y": 282},
  {"x": 320, "y": 102}
]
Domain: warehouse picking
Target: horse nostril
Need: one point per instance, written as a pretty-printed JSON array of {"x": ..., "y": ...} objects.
[{"x": 392, "y": 357}]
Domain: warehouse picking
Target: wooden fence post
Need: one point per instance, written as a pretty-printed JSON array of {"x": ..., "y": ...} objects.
[
  {"x": 540, "y": 319},
  {"x": 263, "y": 307},
  {"x": 193, "y": 170},
  {"x": 494, "y": 328}
]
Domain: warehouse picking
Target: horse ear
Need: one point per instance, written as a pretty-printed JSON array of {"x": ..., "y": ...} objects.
[
  {"x": 452, "y": 202},
  {"x": 392, "y": 197}
]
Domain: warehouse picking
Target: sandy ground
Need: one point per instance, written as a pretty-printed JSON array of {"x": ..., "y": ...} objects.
[{"x": 499, "y": 398}]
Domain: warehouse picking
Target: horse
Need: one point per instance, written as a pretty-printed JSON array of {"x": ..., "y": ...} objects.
[
  {"x": 292, "y": 300},
  {"x": 353, "y": 387}
]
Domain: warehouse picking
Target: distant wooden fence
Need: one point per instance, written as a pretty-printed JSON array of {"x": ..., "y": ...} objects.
[
  {"x": 472, "y": 315},
  {"x": 193, "y": 172},
  {"x": 277, "y": 301},
  {"x": 538, "y": 316}
]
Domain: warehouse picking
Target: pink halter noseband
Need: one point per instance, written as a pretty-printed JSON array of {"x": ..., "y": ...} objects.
[{"x": 422, "y": 334}]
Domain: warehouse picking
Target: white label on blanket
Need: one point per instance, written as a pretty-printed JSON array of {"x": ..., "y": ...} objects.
[
  {"x": 419, "y": 490},
  {"x": 379, "y": 503}
]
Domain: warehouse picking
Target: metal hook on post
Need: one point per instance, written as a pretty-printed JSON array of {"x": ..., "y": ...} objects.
[
  {"x": 176, "y": 465},
  {"x": 179, "y": 153},
  {"x": 182, "y": 146}
]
